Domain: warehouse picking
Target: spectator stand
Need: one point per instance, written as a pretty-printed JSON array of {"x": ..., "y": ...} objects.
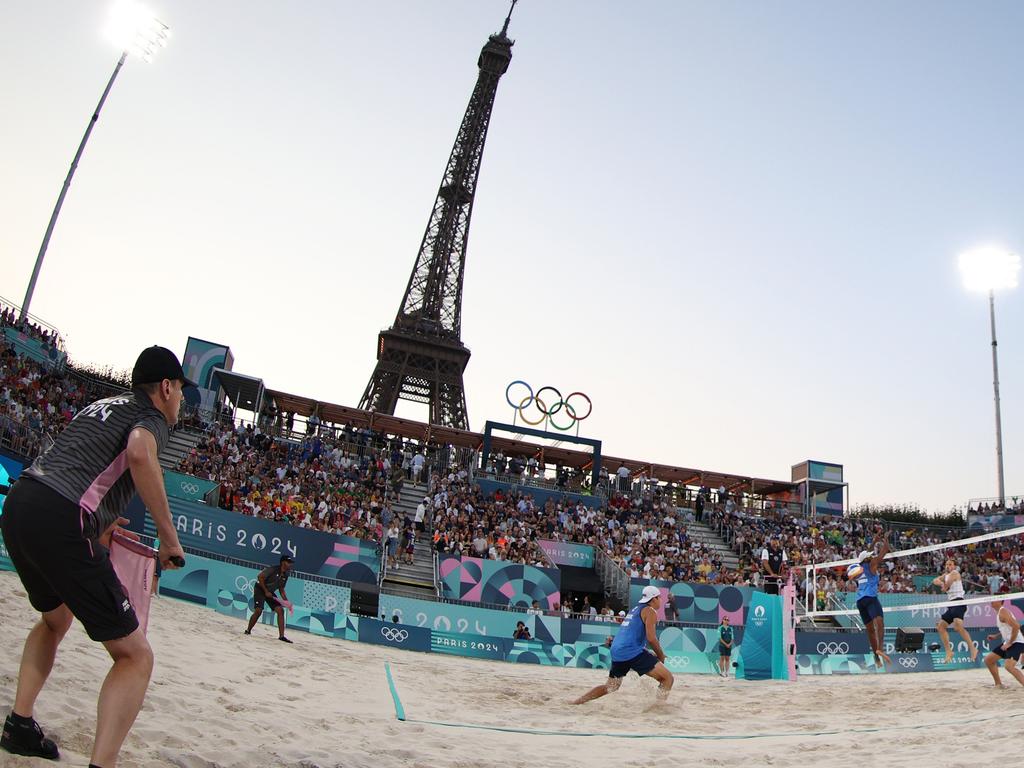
[{"x": 32, "y": 337}]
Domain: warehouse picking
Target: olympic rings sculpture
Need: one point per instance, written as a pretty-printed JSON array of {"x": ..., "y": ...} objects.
[
  {"x": 547, "y": 412},
  {"x": 832, "y": 648},
  {"x": 394, "y": 635}
]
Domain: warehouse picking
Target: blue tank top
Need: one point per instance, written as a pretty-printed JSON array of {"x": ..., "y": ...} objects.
[
  {"x": 632, "y": 636},
  {"x": 867, "y": 582}
]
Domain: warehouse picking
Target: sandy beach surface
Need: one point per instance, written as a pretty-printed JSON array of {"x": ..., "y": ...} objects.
[{"x": 219, "y": 698}]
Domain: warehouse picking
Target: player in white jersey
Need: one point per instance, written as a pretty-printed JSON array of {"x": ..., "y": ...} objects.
[
  {"x": 1009, "y": 646},
  {"x": 953, "y": 586}
]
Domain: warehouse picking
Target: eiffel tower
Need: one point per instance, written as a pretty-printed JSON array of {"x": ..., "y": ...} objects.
[{"x": 421, "y": 357}]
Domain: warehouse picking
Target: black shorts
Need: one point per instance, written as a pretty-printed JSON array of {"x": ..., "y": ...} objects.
[
  {"x": 724, "y": 650},
  {"x": 60, "y": 560},
  {"x": 953, "y": 613},
  {"x": 1013, "y": 653},
  {"x": 259, "y": 597},
  {"x": 642, "y": 663}
]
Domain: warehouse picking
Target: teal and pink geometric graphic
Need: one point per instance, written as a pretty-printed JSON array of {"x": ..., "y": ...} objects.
[{"x": 496, "y": 582}]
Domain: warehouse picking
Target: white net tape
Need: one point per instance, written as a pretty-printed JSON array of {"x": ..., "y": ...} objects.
[{"x": 816, "y": 568}]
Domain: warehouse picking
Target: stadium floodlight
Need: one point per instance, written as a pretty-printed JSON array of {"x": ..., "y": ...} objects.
[
  {"x": 135, "y": 31},
  {"x": 991, "y": 268}
]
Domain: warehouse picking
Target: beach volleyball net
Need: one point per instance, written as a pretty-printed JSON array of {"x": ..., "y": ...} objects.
[{"x": 985, "y": 563}]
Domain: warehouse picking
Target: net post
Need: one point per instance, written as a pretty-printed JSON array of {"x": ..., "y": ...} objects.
[{"x": 789, "y": 627}]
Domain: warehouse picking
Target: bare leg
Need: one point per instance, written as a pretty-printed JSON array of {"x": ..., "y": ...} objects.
[
  {"x": 944, "y": 636},
  {"x": 37, "y": 658},
  {"x": 253, "y": 619},
  {"x": 280, "y": 620},
  {"x": 958, "y": 625},
  {"x": 992, "y": 662},
  {"x": 664, "y": 678},
  {"x": 121, "y": 695},
  {"x": 878, "y": 627},
  {"x": 596, "y": 693},
  {"x": 1013, "y": 669}
]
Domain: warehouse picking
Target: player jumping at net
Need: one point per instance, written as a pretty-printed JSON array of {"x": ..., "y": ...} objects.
[
  {"x": 953, "y": 586},
  {"x": 629, "y": 650},
  {"x": 865, "y": 573},
  {"x": 1010, "y": 647}
]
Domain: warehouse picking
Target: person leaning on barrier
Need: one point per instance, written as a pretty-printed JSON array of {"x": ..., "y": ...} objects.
[{"x": 57, "y": 524}]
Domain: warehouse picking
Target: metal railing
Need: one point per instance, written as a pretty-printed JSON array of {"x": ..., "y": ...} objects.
[
  {"x": 614, "y": 578},
  {"x": 21, "y": 439}
]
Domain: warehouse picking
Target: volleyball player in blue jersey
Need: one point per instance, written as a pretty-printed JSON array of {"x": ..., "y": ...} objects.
[
  {"x": 629, "y": 649},
  {"x": 865, "y": 573}
]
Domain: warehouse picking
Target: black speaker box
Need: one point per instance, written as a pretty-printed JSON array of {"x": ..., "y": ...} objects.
[
  {"x": 365, "y": 599},
  {"x": 909, "y": 639}
]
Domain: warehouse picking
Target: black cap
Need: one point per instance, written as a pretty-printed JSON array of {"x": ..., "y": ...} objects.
[{"x": 156, "y": 364}]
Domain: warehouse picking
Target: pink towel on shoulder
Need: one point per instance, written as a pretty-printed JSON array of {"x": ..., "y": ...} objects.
[{"x": 135, "y": 564}]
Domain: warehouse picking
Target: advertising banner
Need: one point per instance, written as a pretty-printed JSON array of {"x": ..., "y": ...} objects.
[
  {"x": 978, "y": 523},
  {"x": 187, "y": 487},
  {"x": 568, "y": 553},
  {"x": 215, "y": 530},
  {"x": 697, "y": 603},
  {"x": 396, "y": 635},
  {"x": 495, "y": 648},
  {"x": 451, "y": 617},
  {"x": 499, "y": 582}
]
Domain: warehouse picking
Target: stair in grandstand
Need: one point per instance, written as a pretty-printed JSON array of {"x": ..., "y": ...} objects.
[
  {"x": 416, "y": 579},
  {"x": 182, "y": 441},
  {"x": 706, "y": 535}
]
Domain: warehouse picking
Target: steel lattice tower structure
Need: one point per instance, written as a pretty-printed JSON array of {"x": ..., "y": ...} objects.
[{"x": 421, "y": 357}]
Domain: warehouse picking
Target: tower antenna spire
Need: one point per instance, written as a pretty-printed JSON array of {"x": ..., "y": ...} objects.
[{"x": 504, "y": 29}]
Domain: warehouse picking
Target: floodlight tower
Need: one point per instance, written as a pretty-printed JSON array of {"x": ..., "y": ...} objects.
[
  {"x": 990, "y": 268},
  {"x": 135, "y": 31}
]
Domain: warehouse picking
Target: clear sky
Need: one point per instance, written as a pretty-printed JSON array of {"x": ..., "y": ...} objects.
[{"x": 734, "y": 225}]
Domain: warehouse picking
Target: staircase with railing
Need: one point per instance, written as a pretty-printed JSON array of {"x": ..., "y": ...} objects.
[{"x": 419, "y": 578}]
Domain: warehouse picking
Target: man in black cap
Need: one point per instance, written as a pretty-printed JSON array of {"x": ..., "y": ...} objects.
[
  {"x": 57, "y": 522},
  {"x": 269, "y": 581}
]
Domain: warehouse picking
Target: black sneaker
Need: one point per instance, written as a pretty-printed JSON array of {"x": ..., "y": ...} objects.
[
  {"x": 27, "y": 740},
  {"x": 284, "y": 639}
]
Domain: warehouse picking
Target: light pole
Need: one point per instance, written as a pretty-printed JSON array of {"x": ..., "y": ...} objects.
[
  {"x": 990, "y": 268},
  {"x": 136, "y": 32}
]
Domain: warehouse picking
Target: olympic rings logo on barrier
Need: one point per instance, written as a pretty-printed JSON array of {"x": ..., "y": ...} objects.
[
  {"x": 394, "y": 635},
  {"x": 826, "y": 649},
  {"x": 908, "y": 663},
  {"x": 190, "y": 488},
  {"x": 547, "y": 411},
  {"x": 244, "y": 585},
  {"x": 681, "y": 661}
]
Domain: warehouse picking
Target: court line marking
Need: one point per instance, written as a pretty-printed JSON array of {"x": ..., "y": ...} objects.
[{"x": 401, "y": 715}]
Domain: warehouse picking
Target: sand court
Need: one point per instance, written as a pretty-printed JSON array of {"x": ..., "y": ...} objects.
[{"x": 219, "y": 698}]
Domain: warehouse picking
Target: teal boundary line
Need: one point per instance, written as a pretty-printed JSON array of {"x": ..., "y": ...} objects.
[
  {"x": 399, "y": 709},
  {"x": 400, "y": 715}
]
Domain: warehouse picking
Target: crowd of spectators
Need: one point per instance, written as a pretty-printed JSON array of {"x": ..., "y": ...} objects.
[
  {"x": 1012, "y": 506},
  {"x": 993, "y": 566},
  {"x": 36, "y": 402},
  {"x": 347, "y": 480},
  {"x": 345, "y": 486}
]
